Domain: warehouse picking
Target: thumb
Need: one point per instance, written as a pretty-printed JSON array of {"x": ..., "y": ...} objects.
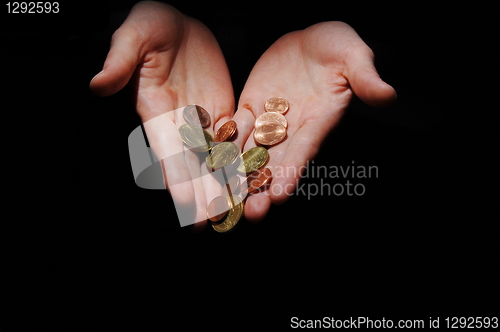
[
  {"x": 366, "y": 82},
  {"x": 120, "y": 64}
]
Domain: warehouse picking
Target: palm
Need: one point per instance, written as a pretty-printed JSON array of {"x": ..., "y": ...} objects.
[
  {"x": 310, "y": 69},
  {"x": 183, "y": 67}
]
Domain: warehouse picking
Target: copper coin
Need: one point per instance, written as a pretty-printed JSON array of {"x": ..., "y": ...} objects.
[
  {"x": 258, "y": 179},
  {"x": 270, "y": 117},
  {"x": 196, "y": 114},
  {"x": 218, "y": 209},
  {"x": 269, "y": 133},
  {"x": 226, "y": 131},
  {"x": 276, "y": 104}
]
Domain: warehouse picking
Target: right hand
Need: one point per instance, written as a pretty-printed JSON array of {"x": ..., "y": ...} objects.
[{"x": 175, "y": 61}]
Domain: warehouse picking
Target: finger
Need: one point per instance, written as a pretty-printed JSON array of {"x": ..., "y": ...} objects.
[
  {"x": 200, "y": 176},
  {"x": 119, "y": 65},
  {"x": 245, "y": 120},
  {"x": 165, "y": 140},
  {"x": 365, "y": 81},
  {"x": 257, "y": 206}
]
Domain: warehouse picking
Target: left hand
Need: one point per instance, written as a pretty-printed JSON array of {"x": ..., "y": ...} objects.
[{"x": 317, "y": 70}]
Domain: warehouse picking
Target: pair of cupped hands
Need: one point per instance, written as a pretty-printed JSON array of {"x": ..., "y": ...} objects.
[{"x": 174, "y": 60}]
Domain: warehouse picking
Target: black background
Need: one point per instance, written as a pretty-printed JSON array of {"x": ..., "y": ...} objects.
[{"x": 83, "y": 248}]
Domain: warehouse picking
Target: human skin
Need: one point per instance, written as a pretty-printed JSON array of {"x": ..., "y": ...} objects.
[
  {"x": 317, "y": 70},
  {"x": 173, "y": 60}
]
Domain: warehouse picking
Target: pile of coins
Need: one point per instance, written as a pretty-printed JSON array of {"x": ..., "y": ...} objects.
[
  {"x": 225, "y": 211},
  {"x": 270, "y": 127}
]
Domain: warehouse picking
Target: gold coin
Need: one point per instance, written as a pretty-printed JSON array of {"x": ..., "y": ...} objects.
[
  {"x": 276, "y": 104},
  {"x": 234, "y": 215},
  {"x": 218, "y": 209},
  {"x": 253, "y": 159},
  {"x": 222, "y": 154},
  {"x": 226, "y": 131},
  {"x": 196, "y": 137},
  {"x": 195, "y": 114},
  {"x": 270, "y": 117},
  {"x": 258, "y": 179},
  {"x": 269, "y": 133}
]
